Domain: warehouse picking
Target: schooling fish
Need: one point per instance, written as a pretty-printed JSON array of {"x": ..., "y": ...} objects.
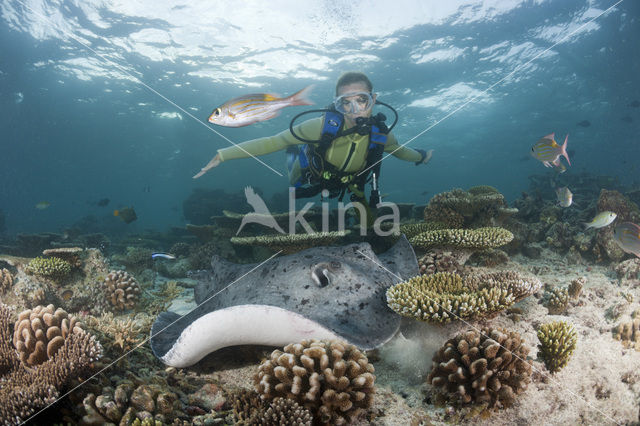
[
  {"x": 548, "y": 151},
  {"x": 249, "y": 109},
  {"x": 601, "y": 220},
  {"x": 565, "y": 197},
  {"x": 627, "y": 236},
  {"x": 162, "y": 255}
]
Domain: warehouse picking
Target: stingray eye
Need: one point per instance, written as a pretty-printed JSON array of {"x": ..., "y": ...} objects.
[
  {"x": 320, "y": 275},
  {"x": 335, "y": 264}
]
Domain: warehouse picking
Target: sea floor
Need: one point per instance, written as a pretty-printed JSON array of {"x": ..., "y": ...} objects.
[{"x": 600, "y": 385}]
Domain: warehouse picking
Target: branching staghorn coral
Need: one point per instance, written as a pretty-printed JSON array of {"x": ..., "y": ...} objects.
[
  {"x": 443, "y": 297},
  {"x": 557, "y": 343},
  {"x": 556, "y": 300},
  {"x": 48, "y": 267},
  {"x": 482, "y": 367},
  {"x": 249, "y": 409},
  {"x": 332, "y": 379}
]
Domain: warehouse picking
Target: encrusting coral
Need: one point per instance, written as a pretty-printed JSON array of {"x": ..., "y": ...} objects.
[
  {"x": 48, "y": 267},
  {"x": 41, "y": 331},
  {"x": 250, "y": 409},
  {"x": 489, "y": 367},
  {"x": 557, "y": 342},
  {"x": 121, "y": 289},
  {"x": 290, "y": 243},
  {"x": 6, "y": 280},
  {"x": 25, "y": 390},
  {"x": 444, "y": 296},
  {"x": 629, "y": 332},
  {"x": 332, "y": 379}
]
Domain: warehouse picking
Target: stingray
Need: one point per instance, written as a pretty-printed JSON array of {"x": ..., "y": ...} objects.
[{"x": 321, "y": 292}]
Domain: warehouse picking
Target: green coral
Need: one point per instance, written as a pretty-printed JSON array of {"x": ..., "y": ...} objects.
[
  {"x": 290, "y": 243},
  {"x": 444, "y": 296},
  {"x": 557, "y": 343},
  {"x": 49, "y": 267},
  {"x": 480, "y": 238}
]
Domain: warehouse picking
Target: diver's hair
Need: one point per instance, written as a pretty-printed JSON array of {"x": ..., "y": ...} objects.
[{"x": 353, "y": 77}]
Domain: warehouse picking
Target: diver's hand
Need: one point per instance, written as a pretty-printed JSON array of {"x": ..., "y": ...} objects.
[
  {"x": 215, "y": 161},
  {"x": 426, "y": 156}
]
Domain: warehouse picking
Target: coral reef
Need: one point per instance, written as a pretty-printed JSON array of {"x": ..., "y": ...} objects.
[
  {"x": 136, "y": 259},
  {"x": 290, "y": 243},
  {"x": 480, "y": 206},
  {"x": 41, "y": 331},
  {"x": 121, "y": 334},
  {"x": 48, "y": 267},
  {"x": 556, "y": 300},
  {"x": 26, "y": 390},
  {"x": 479, "y": 238},
  {"x": 250, "y": 409},
  {"x": 332, "y": 379},
  {"x": 443, "y": 297},
  {"x": 71, "y": 255},
  {"x": 412, "y": 229},
  {"x": 441, "y": 261},
  {"x": 6, "y": 280},
  {"x": 628, "y": 270},
  {"x": 629, "y": 332},
  {"x": 489, "y": 367},
  {"x": 557, "y": 343},
  {"x": 121, "y": 289},
  {"x": 626, "y": 211}
]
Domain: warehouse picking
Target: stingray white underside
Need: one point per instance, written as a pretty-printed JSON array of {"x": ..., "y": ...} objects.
[{"x": 242, "y": 325}]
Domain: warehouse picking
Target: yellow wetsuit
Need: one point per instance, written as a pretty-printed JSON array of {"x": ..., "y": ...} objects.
[{"x": 336, "y": 154}]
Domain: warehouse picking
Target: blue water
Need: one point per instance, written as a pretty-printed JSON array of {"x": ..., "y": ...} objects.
[{"x": 76, "y": 128}]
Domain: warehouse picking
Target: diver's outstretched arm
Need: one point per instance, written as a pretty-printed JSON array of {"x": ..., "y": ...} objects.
[{"x": 215, "y": 161}]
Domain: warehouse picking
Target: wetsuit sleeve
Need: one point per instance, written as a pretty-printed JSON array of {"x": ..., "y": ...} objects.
[
  {"x": 402, "y": 152},
  {"x": 309, "y": 129}
]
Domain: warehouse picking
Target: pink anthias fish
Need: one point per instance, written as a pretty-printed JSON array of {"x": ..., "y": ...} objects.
[
  {"x": 548, "y": 151},
  {"x": 627, "y": 236},
  {"x": 249, "y": 109}
]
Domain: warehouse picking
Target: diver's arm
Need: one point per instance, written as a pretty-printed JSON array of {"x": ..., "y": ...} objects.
[
  {"x": 309, "y": 129},
  {"x": 405, "y": 153}
]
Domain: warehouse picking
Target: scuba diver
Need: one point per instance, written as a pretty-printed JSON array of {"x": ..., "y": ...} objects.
[{"x": 338, "y": 152}]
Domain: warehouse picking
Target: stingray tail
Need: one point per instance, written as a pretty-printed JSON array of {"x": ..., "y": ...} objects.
[{"x": 162, "y": 334}]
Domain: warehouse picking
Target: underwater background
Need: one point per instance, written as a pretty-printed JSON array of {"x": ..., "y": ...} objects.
[{"x": 490, "y": 77}]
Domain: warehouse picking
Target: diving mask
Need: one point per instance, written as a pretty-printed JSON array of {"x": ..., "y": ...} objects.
[{"x": 353, "y": 102}]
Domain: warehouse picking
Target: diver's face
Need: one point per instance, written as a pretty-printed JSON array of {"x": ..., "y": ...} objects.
[{"x": 357, "y": 105}]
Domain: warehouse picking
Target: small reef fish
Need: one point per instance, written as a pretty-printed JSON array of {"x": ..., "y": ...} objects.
[
  {"x": 601, "y": 220},
  {"x": 627, "y": 236},
  {"x": 565, "y": 197},
  {"x": 548, "y": 151},
  {"x": 162, "y": 256},
  {"x": 43, "y": 205},
  {"x": 249, "y": 109},
  {"x": 127, "y": 214}
]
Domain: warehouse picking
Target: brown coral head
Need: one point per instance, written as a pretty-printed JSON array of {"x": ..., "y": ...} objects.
[
  {"x": 121, "y": 289},
  {"x": 488, "y": 366},
  {"x": 6, "y": 280},
  {"x": 332, "y": 379},
  {"x": 41, "y": 331}
]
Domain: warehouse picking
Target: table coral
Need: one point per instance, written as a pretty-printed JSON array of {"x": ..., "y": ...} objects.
[
  {"x": 479, "y": 238},
  {"x": 443, "y": 297},
  {"x": 489, "y": 367},
  {"x": 557, "y": 343},
  {"x": 332, "y": 379},
  {"x": 290, "y": 243}
]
